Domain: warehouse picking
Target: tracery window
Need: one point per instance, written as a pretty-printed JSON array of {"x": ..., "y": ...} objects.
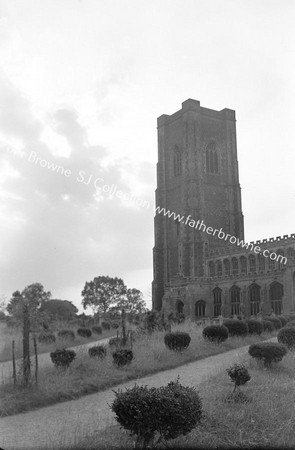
[
  {"x": 212, "y": 159},
  {"x": 177, "y": 163},
  {"x": 252, "y": 264},
  {"x": 276, "y": 297},
  {"x": 254, "y": 297},
  {"x": 235, "y": 300},
  {"x": 235, "y": 265},
  {"x": 217, "y": 301},
  {"x": 200, "y": 308}
]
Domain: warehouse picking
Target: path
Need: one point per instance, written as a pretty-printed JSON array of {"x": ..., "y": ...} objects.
[
  {"x": 65, "y": 423},
  {"x": 43, "y": 359}
]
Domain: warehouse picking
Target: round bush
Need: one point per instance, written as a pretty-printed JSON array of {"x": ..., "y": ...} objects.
[
  {"x": 46, "y": 338},
  {"x": 66, "y": 334},
  {"x": 236, "y": 327},
  {"x": 287, "y": 336},
  {"x": 215, "y": 333},
  {"x": 268, "y": 352},
  {"x": 169, "y": 411},
  {"x": 97, "y": 329},
  {"x": 98, "y": 351},
  {"x": 105, "y": 325},
  {"x": 291, "y": 324},
  {"x": 276, "y": 321},
  {"x": 122, "y": 357},
  {"x": 283, "y": 320},
  {"x": 84, "y": 332},
  {"x": 177, "y": 340},
  {"x": 238, "y": 374},
  {"x": 62, "y": 358},
  {"x": 254, "y": 326},
  {"x": 268, "y": 326}
]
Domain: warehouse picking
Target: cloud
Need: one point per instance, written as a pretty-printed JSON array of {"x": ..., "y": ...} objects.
[{"x": 63, "y": 233}]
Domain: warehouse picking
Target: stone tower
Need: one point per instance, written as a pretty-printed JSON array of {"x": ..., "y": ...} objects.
[{"x": 197, "y": 175}]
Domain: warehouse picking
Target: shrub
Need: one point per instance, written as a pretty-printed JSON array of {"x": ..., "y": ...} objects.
[
  {"x": 283, "y": 320},
  {"x": 177, "y": 340},
  {"x": 122, "y": 357},
  {"x": 268, "y": 352},
  {"x": 170, "y": 411},
  {"x": 276, "y": 321},
  {"x": 291, "y": 324},
  {"x": 238, "y": 375},
  {"x": 66, "y": 334},
  {"x": 236, "y": 327},
  {"x": 97, "y": 329},
  {"x": 268, "y": 326},
  {"x": 98, "y": 351},
  {"x": 254, "y": 326},
  {"x": 84, "y": 332},
  {"x": 105, "y": 325},
  {"x": 46, "y": 337},
  {"x": 62, "y": 358},
  {"x": 115, "y": 325},
  {"x": 215, "y": 333},
  {"x": 287, "y": 336}
]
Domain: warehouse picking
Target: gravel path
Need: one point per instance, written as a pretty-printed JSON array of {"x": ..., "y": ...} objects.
[
  {"x": 65, "y": 423},
  {"x": 43, "y": 359}
]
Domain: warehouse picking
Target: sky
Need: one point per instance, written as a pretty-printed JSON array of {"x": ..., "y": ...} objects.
[{"x": 82, "y": 83}]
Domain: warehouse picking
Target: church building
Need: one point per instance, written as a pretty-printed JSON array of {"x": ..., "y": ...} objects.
[{"x": 202, "y": 265}]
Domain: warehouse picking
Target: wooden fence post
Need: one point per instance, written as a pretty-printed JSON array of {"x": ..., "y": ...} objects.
[
  {"x": 36, "y": 359},
  {"x": 13, "y": 363},
  {"x": 26, "y": 346}
]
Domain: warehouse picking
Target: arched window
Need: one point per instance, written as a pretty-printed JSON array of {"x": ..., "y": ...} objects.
[
  {"x": 179, "y": 307},
  {"x": 200, "y": 308},
  {"x": 219, "y": 268},
  {"x": 217, "y": 301},
  {"x": 243, "y": 263},
  {"x": 254, "y": 297},
  {"x": 235, "y": 265},
  {"x": 226, "y": 266},
  {"x": 261, "y": 263},
  {"x": 281, "y": 264},
  {"x": 235, "y": 300},
  {"x": 252, "y": 264},
  {"x": 271, "y": 264},
  {"x": 211, "y": 269},
  {"x": 212, "y": 163},
  {"x": 276, "y": 293},
  {"x": 177, "y": 162}
]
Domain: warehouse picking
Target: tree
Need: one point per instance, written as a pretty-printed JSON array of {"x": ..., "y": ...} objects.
[
  {"x": 59, "y": 309},
  {"x": 3, "y": 302},
  {"x": 32, "y": 296},
  {"x": 133, "y": 302},
  {"x": 24, "y": 308},
  {"x": 102, "y": 293}
]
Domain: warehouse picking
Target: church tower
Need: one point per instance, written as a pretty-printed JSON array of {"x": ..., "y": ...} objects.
[{"x": 197, "y": 176}]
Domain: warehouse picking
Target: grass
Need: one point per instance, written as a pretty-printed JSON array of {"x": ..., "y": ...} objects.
[
  {"x": 86, "y": 375},
  {"x": 266, "y": 421},
  {"x": 8, "y": 334}
]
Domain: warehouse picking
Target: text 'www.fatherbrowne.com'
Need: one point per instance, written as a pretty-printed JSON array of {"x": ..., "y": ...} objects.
[{"x": 220, "y": 234}]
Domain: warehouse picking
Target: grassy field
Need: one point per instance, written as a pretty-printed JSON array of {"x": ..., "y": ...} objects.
[
  {"x": 266, "y": 421},
  {"x": 8, "y": 334},
  {"x": 86, "y": 375}
]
